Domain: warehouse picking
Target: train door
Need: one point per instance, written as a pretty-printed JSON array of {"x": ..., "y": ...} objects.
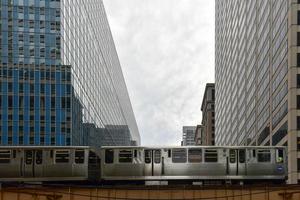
[
  {"x": 232, "y": 165},
  {"x": 153, "y": 162},
  {"x": 32, "y": 163},
  {"x": 28, "y": 165},
  {"x": 236, "y": 162},
  {"x": 241, "y": 162}
]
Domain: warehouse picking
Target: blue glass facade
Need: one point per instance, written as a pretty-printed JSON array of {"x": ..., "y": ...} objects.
[{"x": 44, "y": 99}]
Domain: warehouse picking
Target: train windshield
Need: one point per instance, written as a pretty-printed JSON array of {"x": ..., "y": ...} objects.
[
  {"x": 264, "y": 155},
  {"x": 279, "y": 155}
]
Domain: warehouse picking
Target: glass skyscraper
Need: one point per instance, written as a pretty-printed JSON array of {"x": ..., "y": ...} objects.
[
  {"x": 61, "y": 80},
  {"x": 258, "y": 77}
]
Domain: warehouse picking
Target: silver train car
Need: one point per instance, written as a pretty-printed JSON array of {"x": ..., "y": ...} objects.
[
  {"x": 36, "y": 163},
  {"x": 193, "y": 163}
]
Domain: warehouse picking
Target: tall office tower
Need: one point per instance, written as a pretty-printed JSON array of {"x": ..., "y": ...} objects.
[
  {"x": 257, "y": 75},
  {"x": 199, "y": 134},
  {"x": 61, "y": 80},
  {"x": 208, "y": 115},
  {"x": 188, "y": 135}
]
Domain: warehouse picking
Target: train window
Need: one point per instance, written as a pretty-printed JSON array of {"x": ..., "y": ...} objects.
[
  {"x": 232, "y": 155},
  {"x": 242, "y": 155},
  {"x": 279, "y": 155},
  {"x": 157, "y": 156},
  {"x": 264, "y": 155},
  {"x": 135, "y": 153},
  {"x": 147, "y": 156},
  {"x": 39, "y": 157},
  {"x": 62, "y": 156},
  {"x": 109, "y": 156},
  {"x": 253, "y": 153},
  {"x": 125, "y": 156},
  {"x": 28, "y": 157},
  {"x": 79, "y": 156},
  {"x": 14, "y": 153},
  {"x": 169, "y": 153},
  {"x": 179, "y": 155},
  {"x": 195, "y": 155},
  {"x": 211, "y": 155},
  {"x": 5, "y": 156},
  {"x": 93, "y": 158}
]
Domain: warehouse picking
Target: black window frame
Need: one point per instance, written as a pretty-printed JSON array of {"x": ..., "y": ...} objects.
[
  {"x": 179, "y": 155},
  {"x": 298, "y": 122},
  {"x": 242, "y": 155},
  {"x": 5, "y": 156},
  {"x": 28, "y": 157},
  {"x": 109, "y": 156},
  {"x": 79, "y": 156},
  {"x": 211, "y": 156},
  {"x": 157, "y": 156},
  {"x": 147, "y": 155},
  {"x": 279, "y": 155},
  {"x": 62, "y": 156},
  {"x": 192, "y": 154},
  {"x": 298, "y": 59},
  {"x": 264, "y": 156},
  {"x": 123, "y": 158},
  {"x": 39, "y": 157},
  {"x": 232, "y": 156}
]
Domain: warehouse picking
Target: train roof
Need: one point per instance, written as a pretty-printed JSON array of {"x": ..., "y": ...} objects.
[
  {"x": 46, "y": 147},
  {"x": 180, "y": 147}
]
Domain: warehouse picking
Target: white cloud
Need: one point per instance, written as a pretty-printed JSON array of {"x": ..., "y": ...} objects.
[{"x": 166, "y": 50}]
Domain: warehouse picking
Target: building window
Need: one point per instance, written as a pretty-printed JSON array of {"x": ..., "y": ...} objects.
[
  {"x": 298, "y": 38},
  {"x": 42, "y": 39},
  {"x": 298, "y": 164},
  {"x": 298, "y": 143},
  {"x": 20, "y": 9},
  {"x": 31, "y": 38},
  {"x": 298, "y": 122},
  {"x": 298, "y": 101},
  {"x": 31, "y": 24},
  {"x": 298, "y": 59},
  {"x": 298, "y": 22},
  {"x": 298, "y": 80},
  {"x": 21, "y": 37},
  {"x": 21, "y": 22}
]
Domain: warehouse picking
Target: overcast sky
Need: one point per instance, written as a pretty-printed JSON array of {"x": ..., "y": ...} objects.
[{"x": 166, "y": 50}]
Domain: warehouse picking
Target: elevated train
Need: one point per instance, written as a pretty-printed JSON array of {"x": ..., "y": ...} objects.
[{"x": 112, "y": 163}]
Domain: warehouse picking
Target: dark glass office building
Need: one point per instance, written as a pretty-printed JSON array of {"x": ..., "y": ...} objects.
[{"x": 61, "y": 80}]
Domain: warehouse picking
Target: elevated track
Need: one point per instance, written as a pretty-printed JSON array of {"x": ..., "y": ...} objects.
[{"x": 83, "y": 192}]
